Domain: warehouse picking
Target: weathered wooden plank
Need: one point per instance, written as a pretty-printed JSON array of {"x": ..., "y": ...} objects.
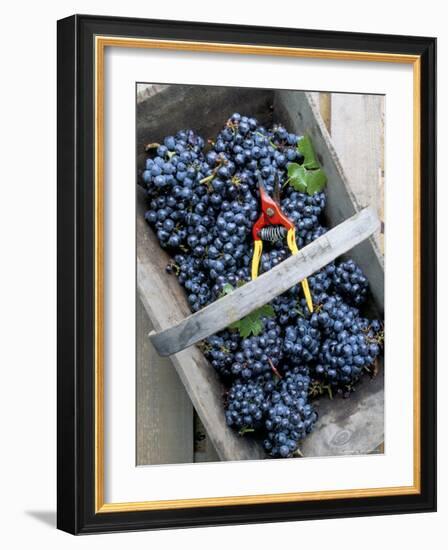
[
  {"x": 357, "y": 132},
  {"x": 166, "y": 304},
  {"x": 203, "y": 446},
  {"x": 349, "y": 426},
  {"x": 356, "y": 125},
  {"x": 145, "y": 91},
  {"x": 220, "y": 314},
  {"x": 325, "y": 105},
  {"x": 357, "y": 135},
  {"x": 298, "y": 111},
  {"x": 165, "y": 432}
]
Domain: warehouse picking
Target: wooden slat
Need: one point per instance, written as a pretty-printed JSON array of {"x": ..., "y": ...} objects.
[
  {"x": 349, "y": 426},
  {"x": 166, "y": 304},
  {"x": 203, "y": 447},
  {"x": 165, "y": 432},
  {"x": 357, "y": 135},
  {"x": 325, "y": 109},
  {"x": 220, "y": 314},
  {"x": 145, "y": 91},
  {"x": 357, "y": 131}
]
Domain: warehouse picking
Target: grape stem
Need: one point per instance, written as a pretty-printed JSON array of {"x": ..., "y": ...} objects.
[
  {"x": 274, "y": 370},
  {"x": 150, "y": 146},
  {"x": 244, "y": 431}
]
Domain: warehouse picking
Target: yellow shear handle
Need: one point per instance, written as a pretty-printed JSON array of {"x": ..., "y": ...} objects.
[
  {"x": 292, "y": 245},
  {"x": 258, "y": 248}
]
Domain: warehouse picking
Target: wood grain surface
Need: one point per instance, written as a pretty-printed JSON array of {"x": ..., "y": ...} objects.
[{"x": 165, "y": 431}]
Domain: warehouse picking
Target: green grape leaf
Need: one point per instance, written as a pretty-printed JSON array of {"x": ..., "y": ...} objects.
[
  {"x": 252, "y": 323},
  {"x": 266, "y": 311},
  {"x": 227, "y": 289},
  {"x": 305, "y": 147},
  {"x": 315, "y": 181},
  {"x": 297, "y": 177},
  {"x": 308, "y": 177}
]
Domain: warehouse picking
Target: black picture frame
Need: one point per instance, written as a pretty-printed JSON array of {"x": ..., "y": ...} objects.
[{"x": 76, "y": 301}]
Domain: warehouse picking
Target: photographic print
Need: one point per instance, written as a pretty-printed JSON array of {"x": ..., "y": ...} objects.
[{"x": 231, "y": 182}]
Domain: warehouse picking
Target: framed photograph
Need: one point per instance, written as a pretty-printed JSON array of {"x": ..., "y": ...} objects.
[{"x": 246, "y": 274}]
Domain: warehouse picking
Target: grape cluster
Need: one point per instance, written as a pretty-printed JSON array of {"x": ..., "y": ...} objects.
[
  {"x": 350, "y": 282},
  {"x": 321, "y": 282},
  {"x": 350, "y": 345},
  {"x": 343, "y": 358},
  {"x": 172, "y": 178},
  {"x": 220, "y": 350},
  {"x": 290, "y": 416},
  {"x": 260, "y": 354},
  {"x": 333, "y": 315},
  {"x": 191, "y": 275},
  {"x": 305, "y": 211},
  {"x": 302, "y": 342},
  {"x": 287, "y": 307},
  {"x": 246, "y": 405},
  {"x": 271, "y": 259},
  {"x": 203, "y": 200}
]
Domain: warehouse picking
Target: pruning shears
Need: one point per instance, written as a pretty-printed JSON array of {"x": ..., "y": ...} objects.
[{"x": 272, "y": 225}]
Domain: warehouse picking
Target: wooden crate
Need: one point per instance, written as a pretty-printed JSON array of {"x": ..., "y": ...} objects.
[{"x": 351, "y": 426}]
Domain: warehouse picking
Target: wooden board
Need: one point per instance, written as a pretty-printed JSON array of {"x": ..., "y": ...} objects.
[
  {"x": 350, "y": 426},
  {"x": 357, "y": 132},
  {"x": 357, "y": 135},
  {"x": 165, "y": 432},
  {"x": 220, "y": 314},
  {"x": 203, "y": 446},
  {"x": 145, "y": 91},
  {"x": 166, "y": 304}
]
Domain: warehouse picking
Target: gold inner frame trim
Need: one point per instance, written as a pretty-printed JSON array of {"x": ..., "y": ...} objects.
[{"x": 101, "y": 42}]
